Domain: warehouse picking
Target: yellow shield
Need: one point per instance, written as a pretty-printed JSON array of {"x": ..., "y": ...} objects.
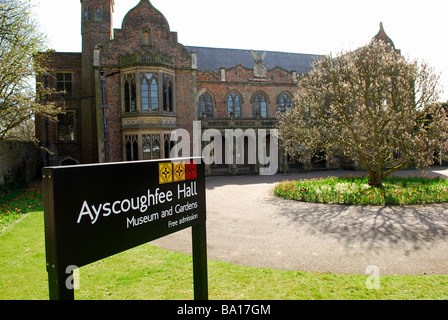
[
  {"x": 165, "y": 172},
  {"x": 179, "y": 171}
]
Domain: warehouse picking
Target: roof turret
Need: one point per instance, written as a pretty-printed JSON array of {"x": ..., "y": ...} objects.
[{"x": 383, "y": 36}]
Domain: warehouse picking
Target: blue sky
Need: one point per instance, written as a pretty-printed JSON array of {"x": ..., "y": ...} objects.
[{"x": 418, "y": 28}]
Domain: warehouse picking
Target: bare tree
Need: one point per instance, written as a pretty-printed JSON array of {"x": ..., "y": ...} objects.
[
  {"x": 370, "y": 105},
  {"x": 20, "y": 40}
]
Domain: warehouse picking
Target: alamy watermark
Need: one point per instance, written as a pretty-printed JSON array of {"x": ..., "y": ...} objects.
[
  {"x": 261, "y": 146},
  {"x": 72, "y": 281},
  {"x": 373, "y": 281}
]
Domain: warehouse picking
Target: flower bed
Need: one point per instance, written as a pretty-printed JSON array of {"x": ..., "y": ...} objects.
[
  {"x": 355, "y": 190},
  {"x": 16, "y": 202}
]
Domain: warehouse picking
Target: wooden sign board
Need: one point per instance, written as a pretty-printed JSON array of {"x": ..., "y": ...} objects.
[{"x": 95, "y": 211}]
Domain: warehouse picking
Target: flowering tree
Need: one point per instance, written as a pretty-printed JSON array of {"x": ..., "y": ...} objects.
[
  {"x": 370, "y": 105},
  {"x": 19, "y": 42}
]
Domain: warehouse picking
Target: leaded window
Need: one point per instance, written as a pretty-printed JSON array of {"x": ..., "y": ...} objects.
[
  {"x": 168, "y": 145},
  {"x": 130, "y": 94},
  {"x": 64, "y": 83},
  {"x": 151, "y": 147},
  {"x": 260, "y": 105},
  {"x": 131, "y": 143},
  {"x": 168, "y": 102},
  {"x": 284, "y": 102},
  {"x": 206, "y": 105},
  {"x": 149, "y": 92},
  {"x": 66, "y": 126},
  {"x": 234, "y": 105}
]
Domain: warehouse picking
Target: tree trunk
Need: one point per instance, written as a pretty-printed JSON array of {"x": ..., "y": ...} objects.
[
  {"x": 376, "y": 174},
  {"x": 376, "y": 178}
]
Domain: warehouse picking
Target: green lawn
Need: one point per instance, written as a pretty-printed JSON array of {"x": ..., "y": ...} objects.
[{"x": 148, "y": 272}]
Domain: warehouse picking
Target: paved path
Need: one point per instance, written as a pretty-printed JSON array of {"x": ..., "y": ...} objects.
[{"x": 248, "y": 226}]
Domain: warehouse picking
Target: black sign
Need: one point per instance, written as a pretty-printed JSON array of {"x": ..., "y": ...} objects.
[{"x": 94, "y": 211}]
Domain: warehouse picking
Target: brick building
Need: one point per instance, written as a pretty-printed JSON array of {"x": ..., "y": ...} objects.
[{"x": 130, "y": 88}]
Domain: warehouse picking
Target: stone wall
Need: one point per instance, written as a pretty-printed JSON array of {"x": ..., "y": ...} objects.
[{"x": 18, "y": 160}]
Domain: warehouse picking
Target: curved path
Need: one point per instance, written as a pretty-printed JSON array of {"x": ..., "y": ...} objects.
[{"x": 248, "y": 226}]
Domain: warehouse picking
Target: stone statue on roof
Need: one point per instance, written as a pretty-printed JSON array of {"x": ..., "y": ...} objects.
[{"x": 259, "y": 67}]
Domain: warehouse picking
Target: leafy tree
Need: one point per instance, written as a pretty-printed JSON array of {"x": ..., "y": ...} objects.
[
  {"x": 20, "y": 40},
  {"x": 370, "y": 105}
]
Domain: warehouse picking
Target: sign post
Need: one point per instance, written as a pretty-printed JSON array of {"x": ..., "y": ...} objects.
[
  {"x": 95, "y": 211},
  {"x": 200, "y": 262}
]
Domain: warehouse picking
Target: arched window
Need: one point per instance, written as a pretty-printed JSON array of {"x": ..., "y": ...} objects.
[
  {"x": 154, "y": 95},
  {"x": 130, "y": 93},
  {"x": 260, "y": 105},
  {"x": 206, "y": 105},
  {"x": 145, "y": 94},
  {"x": 131, "y": 143},
  {"x": 149, "y": 92},
  {"x": 234, "y": 105},
  {"x": 168, "y": 145},
  {"x": 135, "y": 151},
  {"x": 285, "y": 102},
  {"x": 151, "y": 146},
  {"x": 168, "y": 103}
]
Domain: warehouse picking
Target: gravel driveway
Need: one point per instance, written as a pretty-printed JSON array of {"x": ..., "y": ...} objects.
[{"x": 247, "y": 225}]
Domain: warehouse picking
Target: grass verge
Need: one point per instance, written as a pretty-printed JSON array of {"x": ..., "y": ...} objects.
[
  {"x": 355, "y": 190},
  {"x": 148, "y": 272}
]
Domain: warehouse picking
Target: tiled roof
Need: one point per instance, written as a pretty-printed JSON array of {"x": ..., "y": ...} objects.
[{"x": 212, "y": 59}]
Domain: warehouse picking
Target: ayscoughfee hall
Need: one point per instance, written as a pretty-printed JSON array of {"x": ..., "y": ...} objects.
[{"x": 130, "y": 88}]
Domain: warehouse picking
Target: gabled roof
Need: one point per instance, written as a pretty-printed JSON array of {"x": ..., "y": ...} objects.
[{"x": 212, "y": 59}]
